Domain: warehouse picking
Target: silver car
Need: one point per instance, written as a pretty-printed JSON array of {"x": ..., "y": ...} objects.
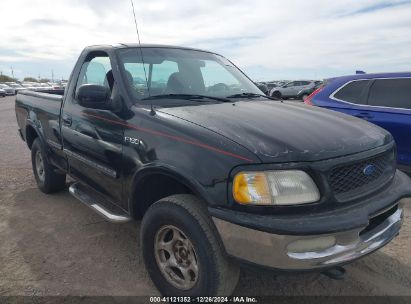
[
  {"x": 2, "y": 93},
  {"x": 291, "y": 89},
  {"x": 17, "y": 87},
  {"x": 9, "y": 90}
]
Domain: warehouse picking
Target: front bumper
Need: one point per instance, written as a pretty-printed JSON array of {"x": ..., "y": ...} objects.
[
  {"x": 313, "y": 248},
  {"x": 274, "y": 250}
]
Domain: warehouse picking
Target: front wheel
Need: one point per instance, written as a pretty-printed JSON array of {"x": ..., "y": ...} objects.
[
  {"x": 182, "y": 252},
  {"x": 276, "y": 94}
]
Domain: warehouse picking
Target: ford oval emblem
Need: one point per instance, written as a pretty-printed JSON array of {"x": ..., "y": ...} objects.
[{"x": 368, "y": 170}]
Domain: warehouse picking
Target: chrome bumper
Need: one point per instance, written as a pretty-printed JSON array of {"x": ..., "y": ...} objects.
[{"x": 287, "y": 252}]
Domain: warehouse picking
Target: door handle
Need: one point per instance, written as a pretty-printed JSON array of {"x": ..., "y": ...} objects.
[
  {"x": 364, "y": 115},
  {"x": 67, "y": 121},
  {"x": 87, "y": 131}
]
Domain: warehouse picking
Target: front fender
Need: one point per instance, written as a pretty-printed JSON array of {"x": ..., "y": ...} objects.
[
  {"x": 197, "y": 156},
  {"x": 159, "y": 168}
]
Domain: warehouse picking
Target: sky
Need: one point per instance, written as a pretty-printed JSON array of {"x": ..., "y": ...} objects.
[{"x": 267, "y": 39}]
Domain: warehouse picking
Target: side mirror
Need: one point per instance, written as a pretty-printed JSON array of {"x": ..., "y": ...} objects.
[{"x": 94, "y": 96}]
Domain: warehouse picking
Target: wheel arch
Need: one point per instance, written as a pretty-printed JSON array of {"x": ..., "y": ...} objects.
[
  {"x": 276, "y": 91},
  {"x": 151, "y": 184},
  {"x": 31, "y": 133}
]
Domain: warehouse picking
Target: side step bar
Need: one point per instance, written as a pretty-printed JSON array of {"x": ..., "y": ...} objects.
[{"x": 98, "y": 203}]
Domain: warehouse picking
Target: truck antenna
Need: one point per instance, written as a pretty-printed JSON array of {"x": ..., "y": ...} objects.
[{"x": 152, "y": 112}]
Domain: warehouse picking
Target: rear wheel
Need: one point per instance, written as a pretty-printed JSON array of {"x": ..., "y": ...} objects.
[
  {"x": 182, "y": 251},
  {"x": 47, "y": 179},
  {"x": 304, "y": 97}
]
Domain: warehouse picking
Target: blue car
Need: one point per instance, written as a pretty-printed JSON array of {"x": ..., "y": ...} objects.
[{"x": 383, "y": 99}]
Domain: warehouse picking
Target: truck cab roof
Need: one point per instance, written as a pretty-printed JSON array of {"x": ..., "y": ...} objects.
[{"x": 101, "y": 47}]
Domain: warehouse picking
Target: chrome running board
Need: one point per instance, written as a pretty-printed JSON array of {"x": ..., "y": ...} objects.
[{"x": 99, "y": 203}]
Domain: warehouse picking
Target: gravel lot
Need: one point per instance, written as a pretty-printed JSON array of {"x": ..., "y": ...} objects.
[{"x": 54, "y": 245}]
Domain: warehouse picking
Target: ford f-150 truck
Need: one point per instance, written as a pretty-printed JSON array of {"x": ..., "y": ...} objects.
[{"x": 220, "y": 174}]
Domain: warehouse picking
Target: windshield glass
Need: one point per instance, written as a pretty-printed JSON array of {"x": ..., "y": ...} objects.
[{"x": 179, "y": 71}]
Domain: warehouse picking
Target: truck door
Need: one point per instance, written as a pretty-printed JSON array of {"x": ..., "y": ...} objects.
[{"x": 93, "y": 138}]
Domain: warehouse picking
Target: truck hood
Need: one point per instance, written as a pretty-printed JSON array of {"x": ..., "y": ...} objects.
[{"x": 284, "y": 132}]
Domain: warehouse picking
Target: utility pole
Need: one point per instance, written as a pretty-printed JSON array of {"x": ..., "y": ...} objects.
[
  {"x": 52, "y": 76},
  {"x": 12, "y": 72}
]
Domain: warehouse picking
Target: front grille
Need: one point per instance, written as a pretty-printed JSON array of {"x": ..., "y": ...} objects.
[{"x": 353, "y": 180}]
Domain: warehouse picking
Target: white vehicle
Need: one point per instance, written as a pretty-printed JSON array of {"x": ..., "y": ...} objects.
[
  {"x": 45, "y": 86},
  {"x": 7, "y": 89},
  {"x": 32, "y": 86},
  {"x": 291, "y": 89},
  {"x": 17, "y": 87}
]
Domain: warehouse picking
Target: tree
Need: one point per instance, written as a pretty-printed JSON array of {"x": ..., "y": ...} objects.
[
  {"x": 30, "y": 79},
  {"x": 44, "y": 80},
  {"x": 5, "y": 78}
]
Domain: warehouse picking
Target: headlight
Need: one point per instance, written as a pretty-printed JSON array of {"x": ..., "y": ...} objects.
[{"x": 282, "y": 187}]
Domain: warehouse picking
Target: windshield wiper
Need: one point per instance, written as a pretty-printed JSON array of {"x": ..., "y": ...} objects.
[
  {"x": 187, "y": 97},
  {"x": 251, "y": 95}
]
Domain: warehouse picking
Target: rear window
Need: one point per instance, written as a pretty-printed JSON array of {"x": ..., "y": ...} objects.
[
  {"x": 393, "y": 93},
  {"x": 353, "y": 92}
]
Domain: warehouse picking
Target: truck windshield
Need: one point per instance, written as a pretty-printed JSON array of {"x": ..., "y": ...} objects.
[{"x": 173, "y": 71}]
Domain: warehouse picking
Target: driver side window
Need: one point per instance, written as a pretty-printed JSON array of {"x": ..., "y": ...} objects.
[{"x": 96, "y": 71}]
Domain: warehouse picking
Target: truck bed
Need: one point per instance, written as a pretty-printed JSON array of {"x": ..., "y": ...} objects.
[{"x": 42, "y": 107}]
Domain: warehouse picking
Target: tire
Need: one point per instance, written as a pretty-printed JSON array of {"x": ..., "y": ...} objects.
[
  {"x": 207, "y": 268},
  {"x": 303, "y": 97},
  {"x": 48, "y": 181},
  {"x": 276, "y": 94}
]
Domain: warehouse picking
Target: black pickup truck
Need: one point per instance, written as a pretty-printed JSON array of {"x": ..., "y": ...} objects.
[{"x": 220, "y": 174}]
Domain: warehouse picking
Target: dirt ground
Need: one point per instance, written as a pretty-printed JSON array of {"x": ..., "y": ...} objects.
[{"x": 54, "y": 245}]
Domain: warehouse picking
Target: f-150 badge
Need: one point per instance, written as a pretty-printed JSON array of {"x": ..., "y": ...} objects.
[{"x": 131, "y": 140}]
